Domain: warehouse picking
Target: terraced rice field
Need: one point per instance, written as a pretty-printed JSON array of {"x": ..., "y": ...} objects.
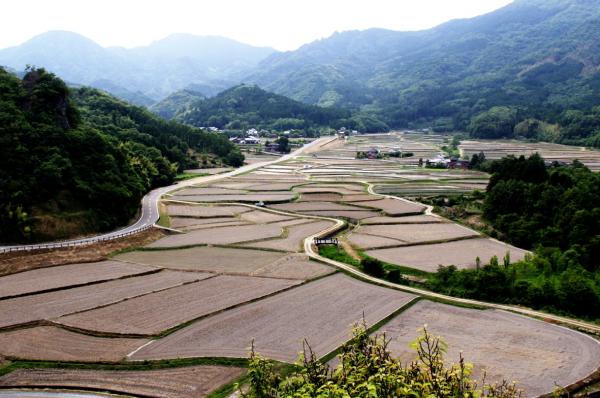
[
  {"x": 153, "y": 313},
  {"x": 51, "y": 278},
  {"x": 311, "y": 206},
  {"x": 55, "y": 344},
  {"x": 27, "y": 309},
  {"x": 220, "y": 236},
  {"x": 279, "y": 323},
  {"x": 295, "y": 236},
  {"x": 461, "y": 253},
  {"x": 415, "y": 233},
  {"x": 190, "y": 381},
  {"x": 205, "y": 211},
  {"x": 241, "y": 198},
  {"x": 538, "y": 355},
  {"x": 420, "y": 219},
  {"x": 209, "y": 259}
]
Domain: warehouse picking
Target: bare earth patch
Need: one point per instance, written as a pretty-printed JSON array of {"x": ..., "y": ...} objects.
[
  {"x": 371, "y": 241},
  {"x": 306, "y": 206},
  {"x": 293, "y": 242},
  {"x": 351, "y": 215},
  {"x": 414, "y": 233},
  {"x": 190, "y": 222},
  {"x": 22, "y": 310},
  {"x": 461, "y": 253},
  {"x": 211, "y": 259},
  {"x": 220, "y": 236},
  {"x": 153, "y": 313},
  {"x": 294, "y": 266},
  {"x": 394, "y": 207},
  {"x": 207, "y": 191},
  {"x": 320, "y": 197},
  {"x": 279, "y": 323},
  {"x": 55, "y": 344},
  {"x": 248, "y": 198},
  {"x": 66, "y": 275},
  {"x": 192, "y": 381},
  {"x": 420, "y": 219},
  {"x": 263, "y": 217},
  {"x": 536, "y": 354},
  {"x": 205, "y": 211}
]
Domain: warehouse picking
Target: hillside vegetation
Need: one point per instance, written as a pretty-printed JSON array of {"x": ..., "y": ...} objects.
[
  {"x": 556, "y": 213},
  {"x": 79, "y": 162},
  {"x": 246, "y": 106},
  {"x": 539, "y": 58}
]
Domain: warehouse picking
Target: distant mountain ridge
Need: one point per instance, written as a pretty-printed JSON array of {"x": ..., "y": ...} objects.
[
  {"x": 542, "y": 55},
  {"x": 142, "y": 75}
]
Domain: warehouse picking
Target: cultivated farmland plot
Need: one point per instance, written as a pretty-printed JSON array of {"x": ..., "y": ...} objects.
[
  {"x": 242, "y": 198},
  {"x": 308, "y": 206},
  {"x": 55, "y": 344},
  {"x": 461, "y": 253},
  {"x": 189, "y": 381},
  {"x": 416, "y": 233},
  {"x": 205, "y": 211},
  {"x": 27, "y": 309},
  {"x": 45, "y": 279},
  {"x": 538, "y": 355},
  {"x": 355, "y": 216},
  {"x": 420, "y": 219},
  {"x": 220, "y": 236},
  {"x": 210, "y": 259},
  {"x": 154, "y": 313},
  {"x": 321, "y": 311},
  {"x": 394, "y": 207},
  {"x": 188, "y": 223},
  {"x": 208, "y": 191},
  {"x": 295, "y": 236}
]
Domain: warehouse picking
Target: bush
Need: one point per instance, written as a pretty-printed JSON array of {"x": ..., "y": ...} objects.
[
  {"x": 373, "y": 267},
  {"x": 367, "y": 369}
]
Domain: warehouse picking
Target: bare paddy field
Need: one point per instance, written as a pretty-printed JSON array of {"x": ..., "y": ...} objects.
[
  {"x": 365, "y": 241},
  {"x": 294, "y": 266},
  {"x": 210, "y": 259},
  {"x": 205, "y": 211},
  {"x": 55, "y": 344},
  {"x": 26, "y": 309},
  {"x": 417, "y": 233},
  {"x": 209, "y": 170},
  {"x": 549, "y": 151},
  {"x": 394, "y": 207},
  {"x": 57, "y": 277},
  {"x": 156, "y": 312},
  {"x": 320, "y": 197},
  {"x": 220, "y": 236},
  {"x": 536, "y": 354},
  {"x": 295, "y": 237},
  {"x": 193, "y": 191},
  {"x": 308, "y": 206},
  {"x": 420, "y": 219},
  {"x": 242, "y": 198},
  {"x": 263, "y": 217},
  {"x": 278, "y": 323},
  {"x": 273, "y": 186},
  {"x": 351, "y": 215},
  {"x": 461, "y": 253},
  {"x": 184, "y": 223},
  {"x": 191, "y": 381}
]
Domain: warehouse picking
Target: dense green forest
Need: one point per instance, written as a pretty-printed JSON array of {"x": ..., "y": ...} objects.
[
  {"x": 554, "y": 211},
  {"x": 247, "y": 106},
  {"x": 77, "y": 162}
]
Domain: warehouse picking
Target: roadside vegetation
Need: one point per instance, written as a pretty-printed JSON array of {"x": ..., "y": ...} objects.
[
  {"x": 367, "y": 369},
  {"x": 74, "y": 162}
]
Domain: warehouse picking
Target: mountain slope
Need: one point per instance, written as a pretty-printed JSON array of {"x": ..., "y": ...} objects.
[
  {"x": 246, "y": 106},
  {"x": 76, "y": 162},
  {"x": 542, "y": 55},
  {"x": 153, "y": 71}
]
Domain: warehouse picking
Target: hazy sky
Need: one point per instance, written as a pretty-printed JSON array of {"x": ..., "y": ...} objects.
[{"x": 282, "y": 24}]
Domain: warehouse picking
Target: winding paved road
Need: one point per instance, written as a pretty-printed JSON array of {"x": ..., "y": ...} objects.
[{"x": 149, "y": 210}]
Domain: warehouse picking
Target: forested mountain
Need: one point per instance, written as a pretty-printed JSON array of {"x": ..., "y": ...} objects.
[
  {"x": 142, "y": 75},
  {"x": 539, "y": 56},
  {"x": 178, "y": 102},
  {"x": 246, "y": 106},
  {"x": 79, "y": 161}
]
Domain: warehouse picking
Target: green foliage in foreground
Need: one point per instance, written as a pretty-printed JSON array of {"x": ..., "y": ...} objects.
[{"x": 367, "y": 369}]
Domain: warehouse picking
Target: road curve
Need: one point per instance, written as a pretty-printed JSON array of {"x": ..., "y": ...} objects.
[{"x": 149, "y": 209}]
